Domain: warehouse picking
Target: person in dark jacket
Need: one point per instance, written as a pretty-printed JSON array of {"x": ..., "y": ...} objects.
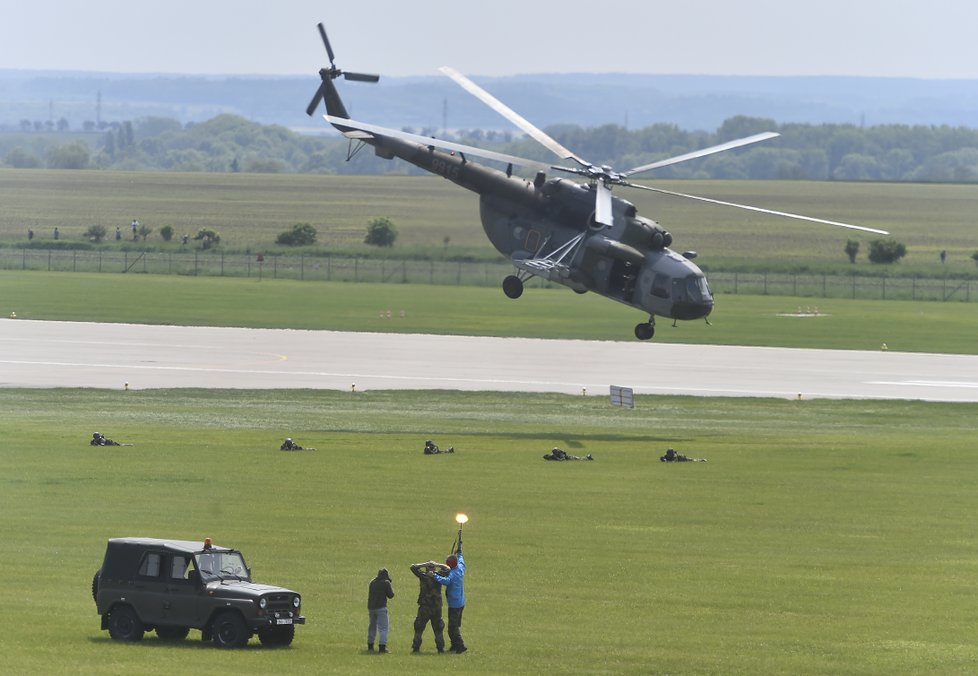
[
  {"x": 429, "y": 604},
  {"x": 98, "y": 439},
  {"x": 431, "y": 448},
  {"x": 289, "y": 445},
  {"x": 561, "y": 454},
  {"x": 380, "y": 590}
]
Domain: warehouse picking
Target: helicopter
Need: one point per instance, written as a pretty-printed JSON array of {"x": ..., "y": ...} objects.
[{"x": 575, "y": 234}]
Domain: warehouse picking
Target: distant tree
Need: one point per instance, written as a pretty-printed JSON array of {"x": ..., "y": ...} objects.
[
  {"x": 18, "y": 158},
  {"x": 70, "y": 156},
  {"x": 886, "y": 251},
  {"x": 852, "y": 249},
  {"x": 381, "y": 232},
  {"x": 301, "y": 234},
  {"x": 144, "y": 231},
  {"x": 63, "y": 124},
  {"x": 95, "y": 233},
  {"x": 207, "y": 238},
  {"x": 166, "y": 232}
]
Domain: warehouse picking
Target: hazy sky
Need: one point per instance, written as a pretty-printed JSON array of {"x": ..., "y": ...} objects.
[{"x": 933, "y": 39}]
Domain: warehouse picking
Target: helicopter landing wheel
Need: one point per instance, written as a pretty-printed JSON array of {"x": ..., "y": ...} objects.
[
  {"x": 513, "y": 286},
  {"x": 644, "y": 331}
]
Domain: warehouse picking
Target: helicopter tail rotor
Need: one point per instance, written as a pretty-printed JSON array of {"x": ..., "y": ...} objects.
[{"x": 331, "y": 73}]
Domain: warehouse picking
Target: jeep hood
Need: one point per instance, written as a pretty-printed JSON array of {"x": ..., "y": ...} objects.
[{"x": 244, "y": 588}]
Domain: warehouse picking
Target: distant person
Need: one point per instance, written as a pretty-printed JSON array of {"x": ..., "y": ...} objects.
[
  {"x": 30, "y": 234},
  {"x": 672, "y": 456},
  {"x": 429, "y": 604},
  {"x": 118, "y": 233},
  {"x": 943, "y": 256},
  {"x": 430, "y": 448},
  {"x": 135, "y": 227},
  {"x": 57, "y": 234},
  {"x": 380, "y": 590},
  {"x": 289, "y": 445},
  {"x": 98, "y": 439},
  {"x": 558, "y": 454},
  {"x": 454, "y": 584}
]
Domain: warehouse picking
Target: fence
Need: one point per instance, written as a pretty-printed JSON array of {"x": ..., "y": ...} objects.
[{"x": 340, "y": 269}]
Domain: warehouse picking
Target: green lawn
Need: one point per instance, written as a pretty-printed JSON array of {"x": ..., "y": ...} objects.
[
  {"x": 437, "y": 219},
  {"x": 545, "y": 313},
  {"x": 820, "y": 536}
]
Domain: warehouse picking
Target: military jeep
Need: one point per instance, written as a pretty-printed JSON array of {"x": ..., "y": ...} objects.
[{"x": 173, "y": 586}]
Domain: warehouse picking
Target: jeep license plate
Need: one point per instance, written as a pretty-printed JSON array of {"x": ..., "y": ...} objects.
[{"x": 287, "y": 620}]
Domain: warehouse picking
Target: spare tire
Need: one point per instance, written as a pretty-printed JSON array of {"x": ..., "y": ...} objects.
[{"x": 95, "y": 579}]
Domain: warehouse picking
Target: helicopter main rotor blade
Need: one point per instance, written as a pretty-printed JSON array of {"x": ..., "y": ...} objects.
[
  {"x": 329, "y": 50},
  {"x": 537, "y": 134},
  {"x": 729, "y": 145},
  {"x": 311, "y": 108},
  {"x": 772, "y": 212},
  {"x": 361, "y": 77},
  {"x": 603, "y": 212},
  {"x": 438, "y": 143}
]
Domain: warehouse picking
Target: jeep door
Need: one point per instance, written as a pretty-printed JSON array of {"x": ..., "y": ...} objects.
[
  {"x": 149, "y": 587},
  {"x": 182, "y": 593}
]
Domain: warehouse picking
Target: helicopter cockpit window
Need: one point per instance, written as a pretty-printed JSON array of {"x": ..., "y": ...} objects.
[
  {"x": 697, "y": 287},
  {"x": 660, "y": 286}
]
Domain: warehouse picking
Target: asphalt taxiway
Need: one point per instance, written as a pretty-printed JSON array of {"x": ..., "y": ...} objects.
[{"x": 82, "y": 354}]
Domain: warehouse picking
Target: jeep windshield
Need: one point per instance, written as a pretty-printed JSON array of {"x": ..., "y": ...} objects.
[{"x": 213, "y": 565}]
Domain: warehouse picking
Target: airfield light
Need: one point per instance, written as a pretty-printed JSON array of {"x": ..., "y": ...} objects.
[{"x": 461, "y": 518}]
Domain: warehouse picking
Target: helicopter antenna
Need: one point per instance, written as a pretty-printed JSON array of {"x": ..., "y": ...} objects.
[{"x": 331, "y": 73}]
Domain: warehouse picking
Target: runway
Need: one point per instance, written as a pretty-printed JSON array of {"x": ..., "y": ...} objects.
[{"x": 115, "y": 356}]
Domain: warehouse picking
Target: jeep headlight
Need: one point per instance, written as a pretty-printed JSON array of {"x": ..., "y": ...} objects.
[
  {"x": 263, "y": 603},
  {"x": 296, "y": 601}
]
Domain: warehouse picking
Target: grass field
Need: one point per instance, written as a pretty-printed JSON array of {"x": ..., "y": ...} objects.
[
  {"x": 540, "y": 313},
  {"x": 435, "y": 218},
  {"x": 820, "y": 536}
]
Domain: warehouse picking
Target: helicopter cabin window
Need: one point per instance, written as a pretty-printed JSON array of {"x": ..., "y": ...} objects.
[{"x": 660, "y": 286}]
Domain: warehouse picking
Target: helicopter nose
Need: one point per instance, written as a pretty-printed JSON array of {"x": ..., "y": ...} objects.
[{"x": 688, "y": 310}]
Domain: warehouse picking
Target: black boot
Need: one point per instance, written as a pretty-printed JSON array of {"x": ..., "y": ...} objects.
[
  {"x": 370, "y": 647},
  {"x": 383, "y": 648}
]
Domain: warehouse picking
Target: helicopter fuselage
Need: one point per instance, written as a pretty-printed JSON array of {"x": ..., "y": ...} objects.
[{"x": 629, "y": 261}]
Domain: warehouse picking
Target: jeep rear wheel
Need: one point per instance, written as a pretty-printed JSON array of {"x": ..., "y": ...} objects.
[
  {"x": 277, "y": 636},
  {"x": 172, "y": 633},
  {"x": 230, "y": 631},
  {"x": 95, "y": 578},
  {"x": 125, "y": 625}
]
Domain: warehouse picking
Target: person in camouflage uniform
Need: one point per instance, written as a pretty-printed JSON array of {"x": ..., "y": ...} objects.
[{"x": 429, "y": 604}]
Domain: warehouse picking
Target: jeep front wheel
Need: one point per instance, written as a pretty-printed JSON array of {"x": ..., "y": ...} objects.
[
  {"x": 230, "y": 631},
  {"x": 277, "y": 636},
  {"x": 125, "y": 625}
]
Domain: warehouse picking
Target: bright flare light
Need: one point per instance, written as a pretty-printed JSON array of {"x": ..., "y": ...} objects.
[{"x": 461, "y": 518}]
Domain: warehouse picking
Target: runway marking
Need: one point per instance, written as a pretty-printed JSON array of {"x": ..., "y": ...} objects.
[{"x": 926, "y": 383}]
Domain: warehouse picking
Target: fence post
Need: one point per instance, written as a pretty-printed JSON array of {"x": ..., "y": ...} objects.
[
  {"x": 74, "y": 260},
  {"x": 302, "y": 267},
  {"x": 195, "y": 263},
  {"x": 49, "y": 260}
]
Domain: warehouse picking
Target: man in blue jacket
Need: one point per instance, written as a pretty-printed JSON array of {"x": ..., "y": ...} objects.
[{"x": 455, "y": 595}]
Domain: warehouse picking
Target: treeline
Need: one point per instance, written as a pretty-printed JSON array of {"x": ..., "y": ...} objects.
[{"x": 229, "y": 143}]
